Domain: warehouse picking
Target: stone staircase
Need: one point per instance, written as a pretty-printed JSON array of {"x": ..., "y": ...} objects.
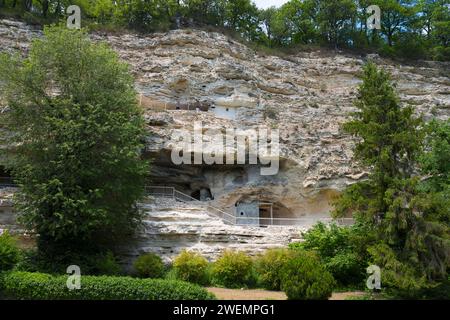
[{"x": 171, "y": 225}]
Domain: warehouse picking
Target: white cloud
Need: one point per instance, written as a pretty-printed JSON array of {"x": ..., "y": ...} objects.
[{"x": 264, "y": 4}]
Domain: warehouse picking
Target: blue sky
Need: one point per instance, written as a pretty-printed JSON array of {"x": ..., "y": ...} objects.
[{"x": 268, "y": 3}]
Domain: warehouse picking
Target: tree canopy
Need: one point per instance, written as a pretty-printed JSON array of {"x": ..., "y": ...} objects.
[
  {"x": 415, "y": 29},
  {"x": 405, "y": 198},
  {"x": 76, "y": 139}
]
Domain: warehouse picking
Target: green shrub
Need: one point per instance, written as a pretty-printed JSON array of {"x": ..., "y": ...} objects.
[
  {"x": 191, "y": 267},
  {"x": 346, "y": 268},
  {"x": 398, "y": 278},
  {"x": 441, "y": 53},
  {"x": 269, "y": 266},
  {"x": 105, "y": 264},
  {"x": 232, "y": 269},
  {"x": 90, "y": 264},
  {"x": 327, "y": 240},
  {"x": 149, "y": 265},
  {"x": 304, "y": 277},
  {"x": 38, "y": 286},
  {"x": 343, "y": 250},
  {"x": 9, "y": 252}
]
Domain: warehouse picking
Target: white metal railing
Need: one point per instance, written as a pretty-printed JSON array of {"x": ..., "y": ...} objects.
[
  {"x": 171, "y": 192},
  {"x": 161, "y": 192},
  {"x": 302, "y": 221}
]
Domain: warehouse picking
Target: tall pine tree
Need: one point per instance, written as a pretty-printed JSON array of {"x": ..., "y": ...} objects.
[{"x": 413, "y": 247}]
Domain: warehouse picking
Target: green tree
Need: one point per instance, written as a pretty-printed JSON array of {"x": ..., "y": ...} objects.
[
  {"x": 103, "y": 10},
  {"x": 335, "y": 20},
  {"x": 267, "y": 18},
  {"x": 242, "y": 16},
  {"x": 395, "y": 17},
  {"x": 147, "y": 15},
  {"x": 434, "y": 161},
  {"x": 440, "y": 30},
  {"x": 390, "y": 134},
  {"x": 203, "y": 12},
  {"x": 435, "y": 167},
  {"x": 76, "y": 140},
  {"x": 390, "y": 145},
  {"x": 295, "y": 22}
]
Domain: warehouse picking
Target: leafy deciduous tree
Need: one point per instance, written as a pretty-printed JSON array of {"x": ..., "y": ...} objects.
[{"x": 76, "y": 140}]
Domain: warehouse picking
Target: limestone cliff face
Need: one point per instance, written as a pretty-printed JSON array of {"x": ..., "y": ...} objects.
[{"x": 306, "y": 96}]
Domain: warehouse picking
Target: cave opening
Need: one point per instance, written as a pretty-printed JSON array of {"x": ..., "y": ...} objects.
[
  {"x": 263, "y": 213},
  {"x": 202, "y": 194}
]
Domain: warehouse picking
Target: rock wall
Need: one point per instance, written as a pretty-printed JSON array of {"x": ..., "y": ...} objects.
[
  {"x": 306, "y": 96},
  {"x": 171, "y": 226}
]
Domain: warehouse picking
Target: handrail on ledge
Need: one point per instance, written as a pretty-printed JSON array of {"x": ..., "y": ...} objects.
[{"x": 171, "y": 192}]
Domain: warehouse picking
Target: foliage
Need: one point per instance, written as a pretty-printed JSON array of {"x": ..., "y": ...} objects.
[
  {"x": 336, "y": 20},
  {"x": 346, "y": 268},
  {"x": 342, "y": 250},
  {"x": 39, "y": 286},
  {"x": 9, "y": 252},
  {"x": 269, "y": 267},
  {"x": 408, "y": 214},
  {"x": 102, "y": 263},
  {"x": 77, "y": 139},
  {"x": 396, "y": 274},
  {"x": 232, "y": 269},
  {"x": 414, "y": 29},
  {"x": 105, "y": 264},
  {"x": 149, "y": 265},
  {"x": 305, "y": 278},
  {"x": 191, "y": 267},
  {"x": 435, "y": 161}
]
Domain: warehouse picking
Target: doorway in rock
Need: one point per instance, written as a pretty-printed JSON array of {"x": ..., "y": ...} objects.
[
  {"x": 202, "y": 194},
  {"x": 263, "y": 213}
]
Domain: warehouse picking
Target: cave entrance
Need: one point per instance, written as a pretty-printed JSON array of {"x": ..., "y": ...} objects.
[
  {"x": 265, "y": 213},
  {"x": 262, "y": 213},
  {"x": 202, "y": 194}
]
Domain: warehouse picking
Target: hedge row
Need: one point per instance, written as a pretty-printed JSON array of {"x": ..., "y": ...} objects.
[{"x": 40, "y": 286}]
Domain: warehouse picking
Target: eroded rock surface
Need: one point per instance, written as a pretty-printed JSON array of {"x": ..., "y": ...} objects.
[{"x": 306, "y": 96}]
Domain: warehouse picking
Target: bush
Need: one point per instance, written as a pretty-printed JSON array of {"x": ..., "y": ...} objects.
[
  {"x": 90, "y": 264},
  {"x": 39, "y": 286},
  {"x": 191, "y": 267},
  {"x": 346, "y": 268},
  {"x": 304, "y": 277},
  {"x": 327, "y": 240},
  {"x": 441, "y": 53},
  {"x": 9, "y": 252},
  {"x": 399, "y": 278},
  {"x": 232, "y": 269},
  {"x": 269, "y": 266},
  {"x": 105, "y": 264},
  {"x": 149, "y": 265},
  {"x": 343, "y": 250}
]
